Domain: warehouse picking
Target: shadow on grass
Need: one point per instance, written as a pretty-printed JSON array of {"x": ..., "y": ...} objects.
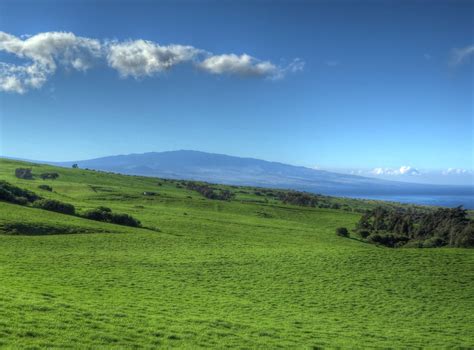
[
  {"x": 359, "y": 240},
  {"x": 156, "y": 229},
  {"x": 22, "y": 229}
]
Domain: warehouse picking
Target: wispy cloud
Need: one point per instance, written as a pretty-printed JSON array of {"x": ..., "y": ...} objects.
[
  {"x": 248, "y": 66},
  {"x": 457, "y": 171},
  {"x": 45, "y": 52},
  {"x": 141, "y": 58},
  {"x": 332, "y": 63},
  {"x": 459, "y": 56},
  {"x": 403, "y": 170}
]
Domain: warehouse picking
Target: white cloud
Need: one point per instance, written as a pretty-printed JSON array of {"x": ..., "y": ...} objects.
[
  {"x": 144, "y": 58},
  {"x": 457, "y": 171},
  {"x": 459, "y": 56},
  {"x": 45, "y": 52},
  {"x": 242, "y": 65},
  {"x": 403, "y": 170},
  {"x": 408, "y": 170},
  {"x": 246, "y": 65}
]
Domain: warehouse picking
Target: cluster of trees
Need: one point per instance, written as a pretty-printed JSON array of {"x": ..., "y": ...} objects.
[
  {"x": 16, "y": 195},
  {"x": 54, "y": 205},
  {"x": 52, "y": 176},
  {"x": 306, "y": 200},
  {"x": 434, "y": 228},
  {"x": 24, "y": 173},
  {"x": 105, "y": 214},
  {"x": 13, "y": 194},
  {"x": 298, "y": 198},
  {"x": 209, "y": 192},
  {"x": 45, "y": 188}
]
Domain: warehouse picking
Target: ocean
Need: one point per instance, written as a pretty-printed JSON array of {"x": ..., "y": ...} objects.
[{"x": 467, "y": 201}]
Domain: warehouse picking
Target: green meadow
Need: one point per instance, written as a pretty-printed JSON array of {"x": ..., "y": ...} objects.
[{"x": 249, "y": 273}]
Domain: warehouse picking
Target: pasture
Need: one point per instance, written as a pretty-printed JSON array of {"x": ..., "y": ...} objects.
[{"x": 247, "y": 273}]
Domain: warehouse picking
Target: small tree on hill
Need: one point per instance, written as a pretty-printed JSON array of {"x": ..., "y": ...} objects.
[
  {"x": 342, "y": 231},
  {"x": 23, "y": 173},
  {"x": 52, "y": 176}
]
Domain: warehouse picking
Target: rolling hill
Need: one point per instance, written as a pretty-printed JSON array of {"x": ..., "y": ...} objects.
[{"x": 251, "y": 272}]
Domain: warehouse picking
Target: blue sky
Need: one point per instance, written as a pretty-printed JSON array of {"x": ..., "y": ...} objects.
[{"x": 357, "y": 86}]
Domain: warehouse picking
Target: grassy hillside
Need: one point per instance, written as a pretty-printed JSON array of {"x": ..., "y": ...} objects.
[{"x": 248, "y": 273}]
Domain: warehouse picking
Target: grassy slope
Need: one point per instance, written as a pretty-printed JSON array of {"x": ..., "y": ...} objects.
[{"x": 218, "y": 274}]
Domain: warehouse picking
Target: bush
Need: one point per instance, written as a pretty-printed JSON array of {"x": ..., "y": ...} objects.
[
  {"x": 125, "y": 219},
  {"x": 465, "y": 238},
  {"x": 104, "y": 209},
  {"x": 364, "y": 234},
  {"x": 388, "y": 240},
  {"x": 46, "y": 188},
  {"x": 23, "y": 173},
  {"x": 13, "y": 194},
  {"x": 105, "y": 214},
  {"x": 342, "y": 231},
  {"x": 149, "y": 193},
  {"x": 52, "y": 176},
  {"x": 298, "y": 198},
  {"x": 433, "y": 242},
  {"x": 97, "y": 215},
  {"x": 54, "y": 205},
  {"x": 209, "y": 192}
]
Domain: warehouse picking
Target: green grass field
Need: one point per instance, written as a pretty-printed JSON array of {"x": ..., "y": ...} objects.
[{"x": 212, "y": 274}]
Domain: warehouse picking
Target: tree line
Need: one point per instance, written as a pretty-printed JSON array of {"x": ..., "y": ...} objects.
[
  {"x": 209, "y": 192},
  {"x": 16, "y": 195},
  {"x": 409, "y": 227}
]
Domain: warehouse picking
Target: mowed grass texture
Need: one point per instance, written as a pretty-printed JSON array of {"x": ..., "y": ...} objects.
[{"x": 212, "y": 274}]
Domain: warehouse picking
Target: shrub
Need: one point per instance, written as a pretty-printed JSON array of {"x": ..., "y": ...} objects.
[
  {"x": 433, "y": 242},
  {"x": 209, "y": 192},
  {"x": 52, "y": 176},
  {"x": 388, "y": 240},
  {"x": 148, "y": 193},
  {"x": 105, "y": 209},
  {"x": 466, "y": 237},
  {"x": 364, "y": 233},
  {"x": 105, "y": 214},
  {"x": 23, "y": 173},
  {"x": 54, "y": 205},
  {"x": 299, "y": 198},
  {"x": 342, "y": 231},
  {"x": 125, "y": 219},
  {"x": 97, "y": 215},
  {"x": 46, "y": 188},
  {"x": 13, "y": 194}
]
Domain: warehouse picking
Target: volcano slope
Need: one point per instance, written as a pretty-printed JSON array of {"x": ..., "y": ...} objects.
[{"x": 249, "y": 272}]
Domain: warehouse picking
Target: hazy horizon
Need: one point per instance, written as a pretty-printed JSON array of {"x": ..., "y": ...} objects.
[
  {"x": 406, "y": 174},
  {"x": 300, "y": 83}
]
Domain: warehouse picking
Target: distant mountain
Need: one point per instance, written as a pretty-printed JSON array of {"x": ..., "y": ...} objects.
[{"x": 219, "y": 168}]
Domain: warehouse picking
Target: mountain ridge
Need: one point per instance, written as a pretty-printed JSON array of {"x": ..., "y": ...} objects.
[{"x": 233, "y": 170}]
